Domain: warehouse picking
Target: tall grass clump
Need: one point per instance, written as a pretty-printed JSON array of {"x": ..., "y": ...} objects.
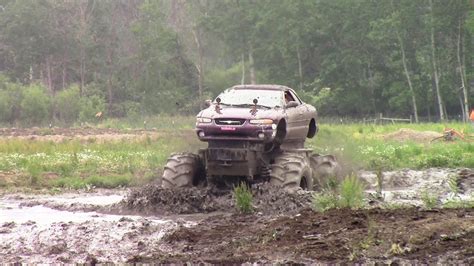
[
  {"x": 348, "y": 194},
  {"x": 243, "y": 198},
  {"x": 429, "y": 200},
  {"x": 351, "y": 193}
]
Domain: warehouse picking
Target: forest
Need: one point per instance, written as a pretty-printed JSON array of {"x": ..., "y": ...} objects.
[{"x": 67, "y": 60}]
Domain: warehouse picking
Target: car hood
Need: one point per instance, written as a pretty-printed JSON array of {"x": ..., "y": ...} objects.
[{"x": 241, "y": 112}]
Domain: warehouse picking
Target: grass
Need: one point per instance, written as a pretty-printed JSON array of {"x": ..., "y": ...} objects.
[
  {"x": 363, "y": 146},
  {"x": 429, "y": 200},
  {"x": 73, "y": 163},
  {"x": 348, "y": 194},
  {"x": 243, "y": 198}
]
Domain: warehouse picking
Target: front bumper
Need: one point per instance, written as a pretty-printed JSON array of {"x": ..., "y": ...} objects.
[{"x": 246, "y": 131}]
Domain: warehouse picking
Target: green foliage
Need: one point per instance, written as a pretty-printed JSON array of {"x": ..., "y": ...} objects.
[
  {"x": 34, "y": 171},
  {"x": 243, "y": 198},
  {"x": 453, "y": 183},
  {"x": 352, "y": 193},
  {"x": 370, "y": 150},
  {"x": 459, "y": 203},
  {"x": 348, "y": 194},
  {"x": 4, "y": 107},
  {"x": 35, "y": 106},
  {"x": 89, "y": 107},
  {"x": 325, "y": 200},
  {"x": 68, "y": 104},
  {"x": 429, "y": 200},
  {"x": 152, "y": 62}
]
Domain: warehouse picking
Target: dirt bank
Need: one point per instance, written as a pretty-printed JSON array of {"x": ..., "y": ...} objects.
[
  {"x": 267, "y": 199},
  {"x": 87, "y": 134},
  {"x": 406, "y": 134},
  {"x": 402, "y": 235}
]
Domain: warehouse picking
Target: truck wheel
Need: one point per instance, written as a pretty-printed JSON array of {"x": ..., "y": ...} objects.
[
  {"x": 183, "y": 170},
  {"x": 291, "y": 171},
  {"x": 324, "y": 167}
]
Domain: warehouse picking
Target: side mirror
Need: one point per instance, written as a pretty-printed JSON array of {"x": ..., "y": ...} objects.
[
  {"x": 291, "y": 104},
  {"x": 208, "y": 103}
]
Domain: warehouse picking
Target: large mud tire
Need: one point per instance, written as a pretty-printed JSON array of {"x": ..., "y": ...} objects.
[
  {"x": 324, "y": 168},
  {"x": 291, "y": 171},
  {"x": 183, "y": 170}
]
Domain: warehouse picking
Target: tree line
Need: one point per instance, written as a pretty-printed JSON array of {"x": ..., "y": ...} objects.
[{"x": 73, "y": 58}]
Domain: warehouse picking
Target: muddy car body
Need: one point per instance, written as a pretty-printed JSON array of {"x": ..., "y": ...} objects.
[
  {"x": 254, "y": 133},
  {"x": 257, "y": 113}
]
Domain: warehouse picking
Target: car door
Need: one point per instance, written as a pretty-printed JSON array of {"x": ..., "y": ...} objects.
[{"x": 297, "y": 126}]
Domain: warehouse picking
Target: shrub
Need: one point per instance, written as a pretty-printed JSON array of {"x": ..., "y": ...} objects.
[
  {"x": 4, "y": 106},
  {"x": 35, "y": 105},
  {"x": 90, "y": 106},
  {"x": 243, "y": 198},
  {"x": 68, "y": 104},
  {"x": 325, "y": 200},
  {"x": 348, "y": 194},
  {"x": 352, "y": 192}
]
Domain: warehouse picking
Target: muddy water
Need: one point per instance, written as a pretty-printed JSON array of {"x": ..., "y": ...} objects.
[
  {"x": 410, "y": 186},
  {"x": 85, "y": 227},
  {"x": 42, "y": 234}
]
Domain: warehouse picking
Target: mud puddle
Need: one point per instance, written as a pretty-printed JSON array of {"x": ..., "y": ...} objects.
[
  {"x": 409, "y": 187},
  {"x": 34, "y": 229}
]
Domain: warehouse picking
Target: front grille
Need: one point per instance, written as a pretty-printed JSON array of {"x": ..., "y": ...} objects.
[
  {"x": 227, "y": 154},
  {"x": 229, "y": 121}
]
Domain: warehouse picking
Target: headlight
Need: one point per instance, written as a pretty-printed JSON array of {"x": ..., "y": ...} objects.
[
  {"x": 261, "y": 121},
  {"x": 203, "y": 120}
]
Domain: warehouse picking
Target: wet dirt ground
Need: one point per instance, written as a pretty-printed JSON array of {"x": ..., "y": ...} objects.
[
  {"x": 85, "y": 134},
  {"x": 150, "y": 224}
]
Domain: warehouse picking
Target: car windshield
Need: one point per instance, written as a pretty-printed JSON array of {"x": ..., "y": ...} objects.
[{"x": 243, "y": 97}]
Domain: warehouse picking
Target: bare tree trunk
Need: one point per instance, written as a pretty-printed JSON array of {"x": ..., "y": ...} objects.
[
  {"x": 300, "y": 66},
  {"x": 49, "y": 74},
  {"x": 83, "y": 73},
  {"x": 253, "y": 79},
  {"x": 435, "y": 67},
  {"x": 31, "y": 74},
  {"x": 465, "y": 103},
  {"x": 199, "y": 65},
  {"x": 407, "y": 75},
  {"x": 242, "y": 81},
  {"x": 371, "y": 86},
  {"x": 463, "y": 111},
  {"x": 110, "y": 94}
]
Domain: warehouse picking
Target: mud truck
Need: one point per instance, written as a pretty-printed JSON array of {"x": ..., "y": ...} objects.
[{"x": 255, "y": 133}]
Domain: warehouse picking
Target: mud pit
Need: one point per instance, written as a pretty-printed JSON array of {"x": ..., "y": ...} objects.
[{"x": 201, "y": 225}]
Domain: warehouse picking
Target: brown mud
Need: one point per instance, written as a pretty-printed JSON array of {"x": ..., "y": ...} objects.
[
  {"x": 267, "y": 200},
  {"x": 406, "y": 134},
  {"x": 375, "y": 235},
  {"x": 85, "y": 134}
]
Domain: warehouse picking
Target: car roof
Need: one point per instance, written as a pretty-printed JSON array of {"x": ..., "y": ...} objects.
[{"x": 261, "y": 87}]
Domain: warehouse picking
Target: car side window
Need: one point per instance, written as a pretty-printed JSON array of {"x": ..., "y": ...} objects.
[
  {"x": 288, "y": 97},
  {"x": 294, "y": 97}
]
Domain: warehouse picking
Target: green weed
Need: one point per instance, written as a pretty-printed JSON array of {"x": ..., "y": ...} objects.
[
  {"x": 34, "y": 171},
  {"x": 243, "y": 198},
  {"x": 429, "y": 200},
  {"x": 453, "y": 182},
  {"x": 459, "y": 203},
  {"x": 352, "y": 193},
  {"x": 325, "y": 200},
  {"x": 348, "y": 194}
]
